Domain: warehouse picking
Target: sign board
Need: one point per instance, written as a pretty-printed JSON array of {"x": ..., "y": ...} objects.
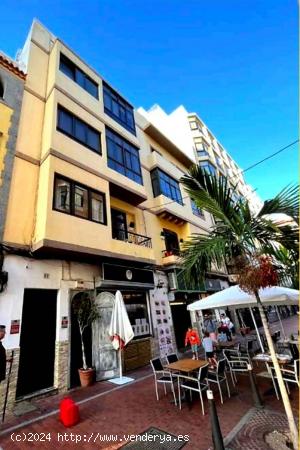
[
  {"x": 15, "y": 327},
  {"x": 64, "y": 322}
]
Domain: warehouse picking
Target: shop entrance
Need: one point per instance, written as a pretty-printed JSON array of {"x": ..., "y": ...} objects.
[
  {"x": 181, "y": 322},
  {"x": 37, "y": 341}
]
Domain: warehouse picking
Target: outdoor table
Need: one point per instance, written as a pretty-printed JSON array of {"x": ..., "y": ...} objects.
[
  {"x": 186, "y": 365},
  {"x": 287, "y": 341},
  {"x": 265, "y": 357}
]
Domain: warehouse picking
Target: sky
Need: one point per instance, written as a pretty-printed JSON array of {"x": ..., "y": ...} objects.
[{"x": 234, "y": 62}]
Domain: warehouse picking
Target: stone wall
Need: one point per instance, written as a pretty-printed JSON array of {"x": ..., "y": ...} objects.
[
  {"x": 12, "y": 383},
  {"x": 61, "y": 367}
]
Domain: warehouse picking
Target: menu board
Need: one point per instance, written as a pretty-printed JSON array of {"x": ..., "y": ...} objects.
[{"x": 162, "y": 319}]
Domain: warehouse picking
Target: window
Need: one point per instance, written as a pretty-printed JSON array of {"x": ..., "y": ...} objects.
[
  {"x": 123, "y": 156},
  {"x": 72, "y": 71},
  {"x": 1, "y": 89},
  {"x": 164, "y": 184},
  {"x": 193, "y": 125},
  {"x": 208, "y": 167},
  {"x": 117, "y": 108},
  {"x": 218, "y": 160},
  {"x": 196, "y": 210},
  {"x": 78, "y": 200},
  {"x": 62, "y": 195},
  {"x": 78, "y": 130}
]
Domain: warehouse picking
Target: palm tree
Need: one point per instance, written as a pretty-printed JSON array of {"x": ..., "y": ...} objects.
[{"x": 239, "y": 235}]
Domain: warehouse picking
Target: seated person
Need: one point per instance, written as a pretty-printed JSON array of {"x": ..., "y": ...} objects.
[{"x": 222, "y": 336}]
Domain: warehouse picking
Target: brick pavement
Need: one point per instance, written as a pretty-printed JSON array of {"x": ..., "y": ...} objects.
[
  {"x": 133, "y": 408},
  {"x": 109, "y": 409}
]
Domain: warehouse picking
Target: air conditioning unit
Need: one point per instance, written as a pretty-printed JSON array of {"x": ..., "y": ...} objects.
[{"x": 172, "y": 279}]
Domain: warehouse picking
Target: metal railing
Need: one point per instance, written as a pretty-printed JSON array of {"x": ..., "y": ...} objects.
[{"x": 132, "y": 238}]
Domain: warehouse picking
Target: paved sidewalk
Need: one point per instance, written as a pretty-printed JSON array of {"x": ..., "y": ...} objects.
[
  {"x": 132, "y": 409},
  {"x": 107, "y": 409}
]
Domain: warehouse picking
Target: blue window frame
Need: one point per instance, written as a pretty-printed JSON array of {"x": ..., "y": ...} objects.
[
  {"x": 208, "y": 167},
  {"x": 72, "y": 71},
  {"x": 196, "y": 210},
  {"x": 117, "y": 108},
  {"x": 78, "y": 130},
  {"x": 165, "y": 185},
  {"x": 123, "y": 157}
]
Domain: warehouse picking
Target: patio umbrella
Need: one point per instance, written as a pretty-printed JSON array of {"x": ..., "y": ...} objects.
[
  {"x": 236, "y": 298},
  {"x": 120, "y": 332}
]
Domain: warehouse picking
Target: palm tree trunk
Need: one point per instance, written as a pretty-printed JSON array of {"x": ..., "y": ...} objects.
[
  {"x": 282, "y": 388},
  {"x": 83, "y": 351}
]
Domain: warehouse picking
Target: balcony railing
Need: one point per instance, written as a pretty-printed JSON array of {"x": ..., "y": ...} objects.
[{"x": 132, "y": 238}]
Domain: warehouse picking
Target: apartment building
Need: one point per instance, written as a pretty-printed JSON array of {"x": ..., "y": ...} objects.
[
  {"x": 95, "y": 205},
  {"x": 198, "y": 141}
]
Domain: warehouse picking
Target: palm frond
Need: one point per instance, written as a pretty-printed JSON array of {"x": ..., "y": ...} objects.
[
  {"x": 210, "y": 193},
  {"x": 286, "y": 202}
]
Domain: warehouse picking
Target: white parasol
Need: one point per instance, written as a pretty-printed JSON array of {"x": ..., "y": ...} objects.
[{"x": 120, "y": 332}]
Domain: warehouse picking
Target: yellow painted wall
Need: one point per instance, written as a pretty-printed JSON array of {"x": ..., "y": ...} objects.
[
  {"x": 5, "y": 118},
  {"x": 31, "y": 217},
  {"x": 20, "y": 216}
]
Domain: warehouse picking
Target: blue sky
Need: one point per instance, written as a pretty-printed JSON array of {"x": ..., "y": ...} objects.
[{"x": 234, "y": 62}]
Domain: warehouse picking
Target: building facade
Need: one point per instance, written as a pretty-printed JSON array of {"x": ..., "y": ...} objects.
[{"x": 95, "y": 205}]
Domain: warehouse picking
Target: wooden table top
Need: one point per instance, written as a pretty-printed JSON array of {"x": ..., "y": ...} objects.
[
  {"x": 265, "y": 357},
  {"x": 187, "y": 365}
]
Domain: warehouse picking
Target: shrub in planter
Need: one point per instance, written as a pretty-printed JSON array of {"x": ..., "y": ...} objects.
[{"x": 86, "y": 313}]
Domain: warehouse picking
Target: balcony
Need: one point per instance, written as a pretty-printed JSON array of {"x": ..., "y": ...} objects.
[
  {"x": 132, "y": 238},
  {"x": 170, "y": 257},
  {"x": 170, "y": 210}
]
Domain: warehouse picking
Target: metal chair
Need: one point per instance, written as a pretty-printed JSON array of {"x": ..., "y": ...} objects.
[
  {"x": 236, "y": 363},
  {"x": 196, "y": 384},
  {"x": 219, "y": 376},
  {"x": 288, "y": 375},
  {"x": 248, "y": 349},
  {"x": 172, "y": 358},
  {"x": 162, "y": 376}
]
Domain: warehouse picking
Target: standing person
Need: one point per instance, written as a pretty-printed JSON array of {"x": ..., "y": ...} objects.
[
  {"x": 2, "y": 354},
  {"x": 193, "y": 339},
  {"x": 225, "y": 325},
  {"x": 210, "y": 326},
  {"x": 208, "y": 346}
]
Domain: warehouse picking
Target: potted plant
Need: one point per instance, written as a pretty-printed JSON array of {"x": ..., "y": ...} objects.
[{"x": 86, "y": 312}]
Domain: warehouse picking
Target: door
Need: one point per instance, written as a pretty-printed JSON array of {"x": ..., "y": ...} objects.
[
  {"x": 181, "y": 321},
  {"x": 105, "y": 357},
  {"x": 37, "y": 341},
  {"x": 119, "y": 225},
  {"x": 171, "y": 241}
]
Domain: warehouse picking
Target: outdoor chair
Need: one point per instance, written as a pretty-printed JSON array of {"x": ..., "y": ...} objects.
[
  {"x": 236, "y": 363},
  {"x": 290, "y": 375},
  {"x": 172, "y": 358},
  {"x": 294, "y": 351},
  {"x": 196, "y": 384},
  {"x": 248, "y": 350},
  {"x": 162, "y": 376},
  {"x": 219, "y": 376}
]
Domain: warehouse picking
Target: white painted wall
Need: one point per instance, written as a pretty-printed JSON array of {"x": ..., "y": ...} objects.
[{"x": 29, "y": 273}]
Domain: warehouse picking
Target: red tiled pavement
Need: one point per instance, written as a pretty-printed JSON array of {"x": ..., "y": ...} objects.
[{"x": 133, "y": 408}]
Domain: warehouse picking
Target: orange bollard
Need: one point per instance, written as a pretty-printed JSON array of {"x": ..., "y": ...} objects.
[{"x": 69, "y": 412}]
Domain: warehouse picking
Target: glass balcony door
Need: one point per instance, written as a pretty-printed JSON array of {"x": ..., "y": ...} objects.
[{"x": 119, "y": 225}]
